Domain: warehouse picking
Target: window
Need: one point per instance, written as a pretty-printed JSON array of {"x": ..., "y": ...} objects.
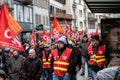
[
  {"x": 37, "y": 22},
  {"x": 15, "y": 12},
  {"x": 79, "y": 1},
  {"x": 43, "y": 20},
  {"x": 46, "y": 4},
  {"x": 61, "y": 1},
  {"x": 31, "y": 15},
  {"x": 80, "y": 13},
  {"x": 20, "y": 13},
  {"x": 47, "y": 20},
  {"x": 23, "y": 13},
  {"x": 81, "y": 25},
  {"x": 42, "y": 3},
  {"x": 91, "y": 25},
  {"x": 26, "y": 14},
  {"x": 39, "y": 19}
]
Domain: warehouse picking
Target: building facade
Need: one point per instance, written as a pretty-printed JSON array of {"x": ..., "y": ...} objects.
[
  {"x": 62, "y": 9},
  {"x": 23, "y": 13},
  {"x": 85, "y": 19},
  {"x": 8, "y": 3},
  {"x": 41, "y": 13}
]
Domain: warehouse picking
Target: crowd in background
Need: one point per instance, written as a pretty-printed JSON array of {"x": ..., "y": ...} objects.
[{"x": 44, "y": 61}]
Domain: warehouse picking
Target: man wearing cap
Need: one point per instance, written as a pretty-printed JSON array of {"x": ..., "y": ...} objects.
[
  {"x": 98, "y": 57},
  {"x": 46, "y": 60},
  {"x": 63, "y": 60}
]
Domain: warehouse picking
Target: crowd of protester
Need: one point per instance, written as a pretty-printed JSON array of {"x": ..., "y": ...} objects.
[{"x": 59, "y": 60}]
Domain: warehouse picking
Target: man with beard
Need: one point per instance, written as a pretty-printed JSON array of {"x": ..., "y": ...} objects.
[
  {"x": 14, "y": 65},
  {"x": 98, "y": 56},
  {"x": 83, "y": 46},
  {"x": 63, "y": 60}
]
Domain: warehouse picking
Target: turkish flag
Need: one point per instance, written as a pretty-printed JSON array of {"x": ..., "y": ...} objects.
[
  {"x": 8, "y": 29},
  {"x": 46, "y": 37},
  {"x": 56, "y": 29},
  {"x": 33, "y": 39}
]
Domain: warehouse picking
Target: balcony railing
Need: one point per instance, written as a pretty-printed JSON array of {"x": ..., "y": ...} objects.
[
  {"x": 25, "y": 2},
  {"x": 92, "y": 18},
  {"x": 61, "y": 15}
]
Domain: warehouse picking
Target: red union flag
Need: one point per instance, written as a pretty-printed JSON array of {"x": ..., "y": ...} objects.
[
  {"x": 56, "y": 29},
  {"x": 82, "y": 34},
  {"x": 8, "y": 30},
  {"x": 0, "y": 13},
  {"x": 33, "y": 39},
  {"x": 67, "y": 29},
  {"x": 73, "y": 34},
  {"x": 46, "y": 37},
  {"x": 97, "y": 31},
  {"x": 7, "y": 41},
  {"x": 7, "y": 21}
]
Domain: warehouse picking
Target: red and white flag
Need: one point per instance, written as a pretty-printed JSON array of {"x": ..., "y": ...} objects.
[
  {"x": 56, "y": 29},
  {"x": 82, "y": 34},
  {"x": 73, "y": 34},
  {"x": 46, "y": 37},
  {"x": 9, "y": 29},
  {"x": 67, "y": 29},
  {"x": 33, "y": 38}
]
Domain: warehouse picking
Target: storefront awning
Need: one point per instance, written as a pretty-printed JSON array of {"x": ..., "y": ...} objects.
[{"x": 103, "y": 6}]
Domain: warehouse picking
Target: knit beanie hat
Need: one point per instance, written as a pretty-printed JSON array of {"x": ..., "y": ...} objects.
[
  {"x": 62, "y": 40},
  {"x": 96, "y": 37}
]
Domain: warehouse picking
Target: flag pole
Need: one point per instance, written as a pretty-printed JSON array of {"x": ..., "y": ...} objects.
[{"x": 49, "y": 20}]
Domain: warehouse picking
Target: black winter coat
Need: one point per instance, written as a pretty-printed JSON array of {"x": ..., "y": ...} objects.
[{"x": 32, "y": 69}]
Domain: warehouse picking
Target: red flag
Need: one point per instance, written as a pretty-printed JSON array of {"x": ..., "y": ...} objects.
[
  {"x": 73, "y": 34},
  {"x": 46, "y": 37},
  {"x": 33, "y": 39},
  {"x": 82, "y": 34},
  {"x": 97, "y": 31},
  {"x": 67, "y": 29},
  {"x": 8, "y": 29},
  {"x": 7, "y": 21},
  {"x": 0, "y": 13},
  {"x": 56, "y": 29},
  {"x": 13, "y": 43}
]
